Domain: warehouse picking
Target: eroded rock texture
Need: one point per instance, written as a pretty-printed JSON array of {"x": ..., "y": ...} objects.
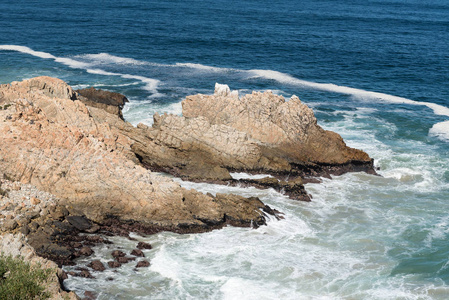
[
  {"x": 84, "y": 155},
  {"x": 257, "y": 133}
]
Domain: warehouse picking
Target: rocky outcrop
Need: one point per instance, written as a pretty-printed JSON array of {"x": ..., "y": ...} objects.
[
  {"x": 109, "y": 101},
  {"x": 257, "y": 133},
  {"x": 79, "y": 167},
  {"x": 286, "y": 126},
  {"x": 84, "y": 156}
]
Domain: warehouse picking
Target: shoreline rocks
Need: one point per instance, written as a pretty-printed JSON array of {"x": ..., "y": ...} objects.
[
  {"x": 70, "y": 165},
  {"x": 83, "y": 155}
]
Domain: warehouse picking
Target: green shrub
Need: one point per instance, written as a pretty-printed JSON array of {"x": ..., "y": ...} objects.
[{"x": 19, "y": 280}]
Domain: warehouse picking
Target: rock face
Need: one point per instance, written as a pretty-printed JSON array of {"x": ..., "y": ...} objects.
[
  {"x": 257, "y": 133},
  {"x": 109, "y": 101},
  {"x": 83, "y": 169},
  {"x": 287, "y": 126},
  {"x": 84, "y": 156},
  {"x": 93, "y": 160}
]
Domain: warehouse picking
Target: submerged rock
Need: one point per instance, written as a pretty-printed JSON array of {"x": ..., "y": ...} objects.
[
  {"x": 114, "y": 264},
  {"x": 96, "y": 265},
  {"x": 137, "y": 252},
  {"x": 117, "y": 253},
  {"x": 143, "y": 245},
  {"x": 143, "y": 264}
]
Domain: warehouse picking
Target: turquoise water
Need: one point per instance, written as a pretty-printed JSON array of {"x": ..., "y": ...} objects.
[{"x": 374, "y": 71}]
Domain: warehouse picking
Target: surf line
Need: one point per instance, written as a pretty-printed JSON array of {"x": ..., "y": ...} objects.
[
  {"x": 439, "y": 130},
  {"x": 330, "y": 87},
  {"x": 150, "y": 83},
  {"x": 273, "y": 75}
]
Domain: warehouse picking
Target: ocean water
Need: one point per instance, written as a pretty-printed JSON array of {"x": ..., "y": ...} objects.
[{"x": 376, "y": 72}]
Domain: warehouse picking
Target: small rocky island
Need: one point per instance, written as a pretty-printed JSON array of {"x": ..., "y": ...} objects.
[{"x": 70, "y": 164}]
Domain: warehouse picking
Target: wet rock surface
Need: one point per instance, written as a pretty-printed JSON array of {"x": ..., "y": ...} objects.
[
  {"x": 96, "y": 265},
  {"x": 137, "y": 252},
  {"x": 143, "y": 264}
]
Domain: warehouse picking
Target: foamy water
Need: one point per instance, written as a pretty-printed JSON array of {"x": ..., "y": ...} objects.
[
  {"x": 361, "y": 237},
  {"x": 355, "y": 240},
  {"x": 92, "y": 64}
]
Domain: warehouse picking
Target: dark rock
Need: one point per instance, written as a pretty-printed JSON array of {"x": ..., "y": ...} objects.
[
  {"x": 124, "y": 260},
  {"x": 33, "y": 226},
  {"x": 117, "y": 253},
  {"x": 108, "y": 101},
  {"x": 62, "y": 275},
  {"x": 79, "y": 222},
  {"x": 143, "y": 264},
  {"x": 76, "y": 245},
  {"x": 86, "y": 251},
  {"x": 32, "y": 215},
  {"x": 25, "y": 230},
  {"x": 137, "y": 252},
  {"x": 47, "y": 248},
  {"x": 86, "y": 274},
  {"x": 105, "y": 97},
  {"x": 96, "y": 265},
  {"x": 89, "y": 295},
  {"x": 71, "y": 273},
  {"x": 143, "y": 245},
  {"x": 93, "y": 229},
  {"x": 63, "y": 227},
  {"x": 58, "y": 212},
  {"x": 114, "y": 264},
  {"x": 95, "y": 239}
]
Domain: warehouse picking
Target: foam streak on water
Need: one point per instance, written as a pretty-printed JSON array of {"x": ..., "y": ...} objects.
[
  {"x": 361, "y": 237},
  {"x": 150, "y": 84}
]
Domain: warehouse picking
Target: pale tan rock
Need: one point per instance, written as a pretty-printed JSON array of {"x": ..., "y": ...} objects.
[
  {"x": 289, "y": 125},
  {"x": 259, "y": 132},
  {"x": 34, "y": 201},
  {"x": 16, "y": 187},
  {"x": 85, "y": 156}
]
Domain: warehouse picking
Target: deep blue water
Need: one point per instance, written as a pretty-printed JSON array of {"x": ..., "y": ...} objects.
[{"x": 331, "y": 54}]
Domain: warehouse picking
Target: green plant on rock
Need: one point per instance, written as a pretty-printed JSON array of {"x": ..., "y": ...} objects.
[{"x": 22, "y": 281}]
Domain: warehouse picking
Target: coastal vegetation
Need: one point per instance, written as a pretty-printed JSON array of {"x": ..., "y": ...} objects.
[{"x": 20, "y": 280}]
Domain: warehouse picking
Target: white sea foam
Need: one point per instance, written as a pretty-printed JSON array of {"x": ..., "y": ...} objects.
[
  {"x": 202, "y": 67},
  {"x": 27, "y": 50},
  {"x": 440, "y": 130},
  {"x": 142, "y": 111},
  {"x": 150, "y": 83},
  {"x": 108, "y": 58},
  {"x": 249, "y": 176},
  {"x": 330, "y": 87}
]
